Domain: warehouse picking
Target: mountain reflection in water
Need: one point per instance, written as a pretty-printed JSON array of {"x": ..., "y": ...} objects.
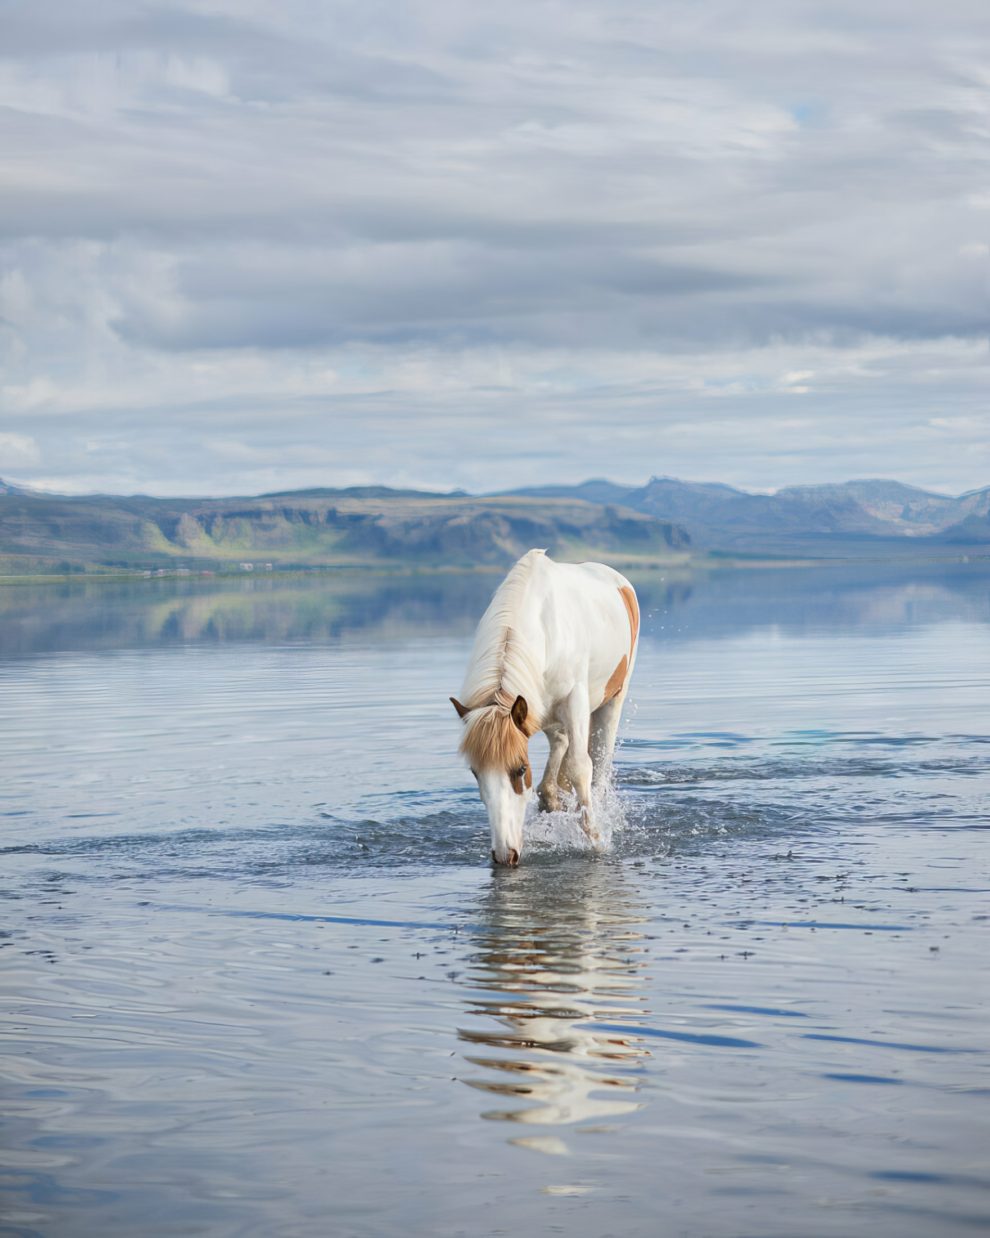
[
  {"x": 340, "y": 606},
  {"x": 561, "y": 947}
]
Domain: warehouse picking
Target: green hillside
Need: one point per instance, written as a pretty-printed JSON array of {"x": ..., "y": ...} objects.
[{"x": 44, "y": 534}]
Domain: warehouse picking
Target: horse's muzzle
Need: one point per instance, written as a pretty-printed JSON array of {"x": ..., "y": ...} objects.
[{"x": 511, "y": 860}]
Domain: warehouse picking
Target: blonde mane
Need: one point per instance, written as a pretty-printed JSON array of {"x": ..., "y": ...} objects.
[
  {"x": 501, "y": 669},
  {"x": 492, "y": 739}
]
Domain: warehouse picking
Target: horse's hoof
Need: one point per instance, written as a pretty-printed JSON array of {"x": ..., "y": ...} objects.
[{"x": 590, "y": 831}]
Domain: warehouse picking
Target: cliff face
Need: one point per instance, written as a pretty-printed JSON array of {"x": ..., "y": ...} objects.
[
  {"x": 483, "y": 532},
  {"x": 42, "y": 533}
]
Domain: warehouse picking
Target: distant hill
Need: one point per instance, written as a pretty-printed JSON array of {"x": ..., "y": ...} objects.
[
  {"x": 660, "y": 522},
  {"x": 40, "y": 533},
  {"x": 364, "y": 492},
  {"x": 597, "y": 490},
  {"x": 851, "y": 518}
]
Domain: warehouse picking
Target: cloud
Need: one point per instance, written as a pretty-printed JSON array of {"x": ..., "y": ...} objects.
[
  {"x": 618, "y": 230},
  {"x": 18, "y": 450}
]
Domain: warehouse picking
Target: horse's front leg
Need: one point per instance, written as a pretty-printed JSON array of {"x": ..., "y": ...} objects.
[
  {"x": 547, "y": 791},
  {"x": 577, "y": 719}
]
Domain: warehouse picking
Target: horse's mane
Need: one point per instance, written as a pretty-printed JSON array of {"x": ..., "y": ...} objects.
[
  {"x": 491, "y": 737},
  {"x": 502, "y": 668}
]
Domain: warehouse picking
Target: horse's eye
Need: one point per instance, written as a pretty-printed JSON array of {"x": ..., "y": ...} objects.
[{"x": 520, "y": 772}]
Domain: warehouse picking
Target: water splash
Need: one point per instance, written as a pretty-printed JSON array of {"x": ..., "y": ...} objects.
[{"x": 562, "y": 831}]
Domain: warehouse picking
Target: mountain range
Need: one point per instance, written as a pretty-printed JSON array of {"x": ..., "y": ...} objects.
[
  {"x": 720, "y": 517},
  {"x": 665, "y": 521}
]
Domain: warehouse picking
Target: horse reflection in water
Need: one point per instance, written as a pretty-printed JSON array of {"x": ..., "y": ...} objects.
[{"x": 559, "y": 951}]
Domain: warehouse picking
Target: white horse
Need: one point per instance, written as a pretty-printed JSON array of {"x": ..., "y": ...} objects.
[{"x": 554, "y": 652}]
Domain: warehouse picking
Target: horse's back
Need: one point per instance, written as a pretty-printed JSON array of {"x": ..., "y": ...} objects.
[
  {"x": 602, "y": 574},
  {"x": 591, "y": 582},
  {"x": 590, "y": 619}
]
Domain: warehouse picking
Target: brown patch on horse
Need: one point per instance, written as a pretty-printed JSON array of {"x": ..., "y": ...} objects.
[
  {"x": 632, "y": 610},
  {"x": 616, "y": 680},
  {"x": 519, "y": 777}
]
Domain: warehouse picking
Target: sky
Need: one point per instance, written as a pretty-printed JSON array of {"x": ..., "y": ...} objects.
[{"x": 258, "y": 245}]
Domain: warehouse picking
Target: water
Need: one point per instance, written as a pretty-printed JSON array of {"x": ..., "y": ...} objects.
[{"x": 257, "y": 977}]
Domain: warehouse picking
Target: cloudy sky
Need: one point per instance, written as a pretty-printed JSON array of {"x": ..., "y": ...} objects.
[{"x": 248, "y": 244}]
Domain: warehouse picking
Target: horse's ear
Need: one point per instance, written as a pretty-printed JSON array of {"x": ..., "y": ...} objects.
[
  {"x": 461, "y": 709},
  {"x": 519, "y": 712}
]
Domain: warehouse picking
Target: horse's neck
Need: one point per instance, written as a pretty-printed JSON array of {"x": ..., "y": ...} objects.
[{"x": 507, "y": 660}]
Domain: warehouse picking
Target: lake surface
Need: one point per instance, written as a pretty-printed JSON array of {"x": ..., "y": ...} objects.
[{"x": 257, "y": 978}]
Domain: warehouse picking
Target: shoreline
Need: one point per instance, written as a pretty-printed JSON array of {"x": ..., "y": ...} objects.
[{"x": 687, "y": 564}]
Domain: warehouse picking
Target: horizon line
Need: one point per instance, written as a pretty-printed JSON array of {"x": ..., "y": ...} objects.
[{"x": 458, "y": 492}]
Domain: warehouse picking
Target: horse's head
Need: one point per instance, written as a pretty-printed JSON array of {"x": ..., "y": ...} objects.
[{"x": 496, "y": 746}]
